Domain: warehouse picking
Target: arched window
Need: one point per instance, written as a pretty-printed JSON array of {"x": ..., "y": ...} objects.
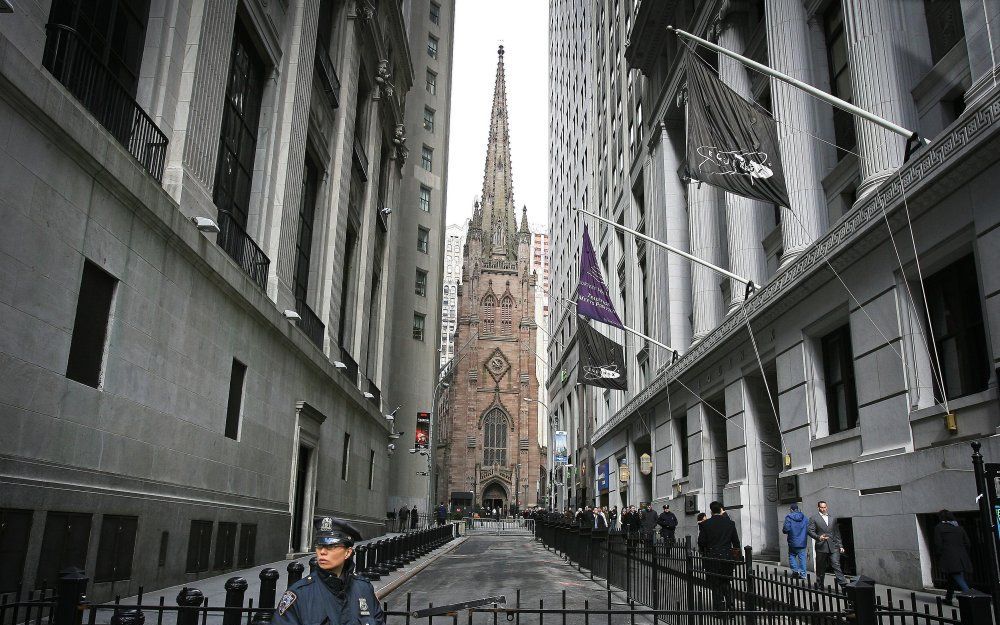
[
  {"x": 506, "y": 314},
  {"x": 489, "y": 307},
  {"x": 495, "y": 438}
]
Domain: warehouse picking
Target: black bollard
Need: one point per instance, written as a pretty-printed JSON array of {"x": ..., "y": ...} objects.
[
  {"x": 235, "y": 587},
  {"x": 128, "y": 616},
  {"x": 72, "y": 592},
  {"x": 974, "y": 607},
  {"x": 265, "y": 602},
  {"x": 295, "y": 570},
  {"x": 188, "y": 602}
]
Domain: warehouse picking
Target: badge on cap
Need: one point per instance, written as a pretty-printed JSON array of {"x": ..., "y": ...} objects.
[
  {"x": 286, "y": 602},
  {"x": 326, "y": 525},
  {"x": 363, "y": 606}
]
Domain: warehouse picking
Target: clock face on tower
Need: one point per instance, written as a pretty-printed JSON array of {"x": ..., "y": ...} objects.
[{"x": 497, "y": 365}]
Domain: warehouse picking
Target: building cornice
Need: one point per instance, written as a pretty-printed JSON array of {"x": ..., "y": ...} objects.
[{"x": 947, "y": 163}]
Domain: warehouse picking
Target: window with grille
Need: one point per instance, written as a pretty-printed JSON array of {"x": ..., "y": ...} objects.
[
  {"x": 116, "y": 548},
  {"x": 248, "y": 544},
  {"x": 225, "y": 547},
  {"x": 428, "y": 120},
  {"x": 506, "y": 314},
  {"x": 838, "y": 374},
  {"x": 199, "y": 546},
  {"x": 432, "y": 46},
  {"x": 956, "y": 323},
  {"x": 418, "y": 326},
  {"x": 425, "y": 199},
  {"x": 495, "y": 438},
  {"x": 435, "y": 13},
  {"x": 432, "y": 82},
  {"x": 420, "y": 286},
  {"x": 423, "y": 239},
  {"x": 427, "y": 158},
  {"x": 489, "y": 310},
  {"x": 307, "y": 215},
  {"x": 240, "y": 119},
  {"x": 64, "y": 544}
]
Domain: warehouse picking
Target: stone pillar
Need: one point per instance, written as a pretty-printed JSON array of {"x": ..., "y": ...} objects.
[
  {"x": 746, "y": 220},
  {"x": 881, "y": 77},
  {"x": 706, "y": 243},
  {"x": 983, "y": 44},
  {"x": 787, "y": 49}
]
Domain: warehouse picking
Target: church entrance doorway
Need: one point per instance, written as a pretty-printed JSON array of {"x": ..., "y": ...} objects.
[{"x": 494, "y": 497}]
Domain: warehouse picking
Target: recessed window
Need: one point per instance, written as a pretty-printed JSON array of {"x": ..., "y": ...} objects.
[
  {"x": 432, "y": 46},
  {"x": 371, "y": 469},
  {"x": 838, "y": 374},
  {"x": 681, "y": 431},
  {"x": 346, "y": 460},
  {"x": 432, "y": 82},
  {"x": 956, "y": 323},
  {"x": 64, "y": 544},
  {"x": 234, "y": 409},
  {"x": 225, "y": 547},
  {"x": 425, "y": 199},
  {"x": 164, "y": 547},
  {"x": 840, "y": 78},
  {"x": 418, "y": 326},
  {"x": 435, "y": 13},
  {"x": 420, "y": 286},
  {"x": 427, "y": 158},
  {"x": 90, "y": 328},
  {"x": 944, "y": 26},
  {"x": 15, "y": 529},
  {"x": 428, "y": 120},
  {"x": 199, "y": 546},
  {"x": 423, "y": 239},
  {"x": 248, "y": 544},
  {"x": 116, "y": 548}
]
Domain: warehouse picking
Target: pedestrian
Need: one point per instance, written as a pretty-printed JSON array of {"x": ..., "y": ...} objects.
[
  {"x": 404, "y": 517},
  {"x": 600, "y": 520},
  {"x": 796, "y": 529},
  {"x": 951, "y": 545},
  {"x": 442, "y": 513},
  {"x": 823, "y": 529},
  {"x": 613, "y": 518},
  {"x": 587, "y": 519},
  {"x": 332, "y": 592},
  {"x": 648, "y": 525},
  {"x": 719, "y": 543},
  {"x": 668, "y": 525},
  {"x": 414, "y": 517}
]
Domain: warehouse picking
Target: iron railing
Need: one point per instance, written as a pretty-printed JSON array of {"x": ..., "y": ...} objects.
[
  {"x": 242, "y": 248},
  {"x": 73, "y": 63},
  {"x": 328, "y": 76},
  {"x": 677, "y": 577},
  {"x": 310, "y": 324}
]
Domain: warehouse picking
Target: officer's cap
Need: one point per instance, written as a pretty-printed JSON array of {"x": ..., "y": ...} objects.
[{"x": 331, "y": 532}]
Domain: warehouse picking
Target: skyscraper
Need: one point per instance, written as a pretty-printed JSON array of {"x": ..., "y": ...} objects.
[{"x": 453, "y": 246}]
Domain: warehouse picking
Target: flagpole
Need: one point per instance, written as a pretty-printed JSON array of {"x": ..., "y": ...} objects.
[
  {"x": 669, "y": 248},
  {"x": 822, "y": 95},
  {"x": 634, "y": 331}
]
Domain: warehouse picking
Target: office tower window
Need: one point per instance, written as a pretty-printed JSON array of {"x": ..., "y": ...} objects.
[
  {"x": 435, "y": 13},
  {"x": 418, "y": 326},
  {"x": 432, "y": 82},
  {"x": 428, "y": 120},
  {"x": 425, "y": 199},
  {"x": 423, "y": 238},
  {"x": 432, "y": 46},
  {"x": 420, "y": 287},
  {"x": 427, "y": 158}
]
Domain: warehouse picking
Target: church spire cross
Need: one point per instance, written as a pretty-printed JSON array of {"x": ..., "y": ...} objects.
[{"x": 499, "y": 220}]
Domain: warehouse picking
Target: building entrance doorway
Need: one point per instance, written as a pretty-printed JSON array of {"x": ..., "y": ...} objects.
[{"x": 494, "y": 497}]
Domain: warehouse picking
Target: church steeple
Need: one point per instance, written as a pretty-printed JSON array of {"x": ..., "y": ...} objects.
[{"x": 499, "y": 222}]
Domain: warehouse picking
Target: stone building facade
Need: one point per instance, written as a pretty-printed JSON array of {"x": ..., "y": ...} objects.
[
  {"x": 877, "y": 309},
  {"x": 195, "y": 267},
  {"x": 487, "y": 440}
]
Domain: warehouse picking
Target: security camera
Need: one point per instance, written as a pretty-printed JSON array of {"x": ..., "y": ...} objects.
[
  {"x": 368, "y": 395},
  {"x": 339, "y": 365},
  {"x": 389, "y": 417},
  {"x": 386, "y": 210},
  {"x": 291, "y": 315},
  {"x": 206, "y": 225}
]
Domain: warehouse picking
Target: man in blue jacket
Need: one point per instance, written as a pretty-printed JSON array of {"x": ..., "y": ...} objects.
[{"x": 795, "y": 528}]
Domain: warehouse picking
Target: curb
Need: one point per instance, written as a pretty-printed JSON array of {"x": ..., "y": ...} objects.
[{"x": 384, "y": 591}]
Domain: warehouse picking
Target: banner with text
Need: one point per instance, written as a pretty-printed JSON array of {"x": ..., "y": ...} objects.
[
  {"x": 423, "y": 436},
  {"x": 602, "y": 361},
  {"x": 560, "y": 454},
  {"x": 592, "y": 299}
]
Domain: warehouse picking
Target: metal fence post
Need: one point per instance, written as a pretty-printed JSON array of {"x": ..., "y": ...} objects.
[
  {"x": 236, "y": 587},
  {"x": 72, "y": 592},
  {"x": 750, "y": 600},
  {"x": 188, "y": 602},
  {"x": 974, "y": 608},
  {"x": 987, "y": 518},
  {"x": 689, "y": 577},
  {"x": 295, "y": 570},
  {"x": 861, "y": 593}
]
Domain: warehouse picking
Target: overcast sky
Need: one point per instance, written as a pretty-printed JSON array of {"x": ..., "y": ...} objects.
[{"x": 480, "y": 27}]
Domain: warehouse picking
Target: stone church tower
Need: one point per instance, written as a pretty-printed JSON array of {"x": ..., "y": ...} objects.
[{"x": 487, "y": 443}]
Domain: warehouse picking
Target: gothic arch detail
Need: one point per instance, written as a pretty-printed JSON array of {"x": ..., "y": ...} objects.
[
  {"x": 494, "y": 425},
  {"x": 506, "y": 313},
  {"x": 488, "y": 306}
]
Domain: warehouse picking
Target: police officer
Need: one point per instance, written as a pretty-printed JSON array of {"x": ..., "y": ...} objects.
[{"x": 332, "y": 593}]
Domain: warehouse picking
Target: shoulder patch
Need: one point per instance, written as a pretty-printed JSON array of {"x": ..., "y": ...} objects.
[{"x": 287, "y": 600}]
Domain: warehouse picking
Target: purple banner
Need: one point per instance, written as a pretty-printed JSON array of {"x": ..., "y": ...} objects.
[{"x": 592, "y": 299}]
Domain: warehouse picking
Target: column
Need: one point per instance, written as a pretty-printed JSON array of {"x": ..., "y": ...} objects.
[
  {"x": 678, "y": 268},
  {"x": 881, "y": 78},
  {"x": 984, "y": 46},
  {"x": 747, "y": 220},
  {"x": 787, "y": 49},
  {"x": 706, "y": 243}
]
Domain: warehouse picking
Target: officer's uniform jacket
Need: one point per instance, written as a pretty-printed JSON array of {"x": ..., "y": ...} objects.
[{"x": 309, "y": 601}]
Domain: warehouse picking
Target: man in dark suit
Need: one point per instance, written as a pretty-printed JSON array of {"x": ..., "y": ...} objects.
[
  {"x": 719, "y": 544},
  {"x": 647, "y": 525},
  {"x": 823, "y": 529}
]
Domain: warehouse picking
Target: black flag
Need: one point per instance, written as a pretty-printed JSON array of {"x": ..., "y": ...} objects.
[
  {"x": 602, "y": 361},
  {"x": 730, "y": 143}
]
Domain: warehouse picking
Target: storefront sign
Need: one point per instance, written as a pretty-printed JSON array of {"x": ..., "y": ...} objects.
[{"x": 603, "y": 470}]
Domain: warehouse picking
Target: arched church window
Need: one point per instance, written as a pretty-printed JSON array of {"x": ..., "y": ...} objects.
[
  {"x": 506, "y": 314},
  {"x": 495, "y": 438},
  {"x": 489, "y": 309}
]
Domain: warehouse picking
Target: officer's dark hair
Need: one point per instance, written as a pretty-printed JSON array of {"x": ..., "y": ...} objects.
[
  {"x": 715, "y": 507},
  {"x": 945, "y": 516}
]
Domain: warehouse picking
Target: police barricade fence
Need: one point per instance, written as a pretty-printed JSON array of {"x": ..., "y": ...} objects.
[
  {"x": 676, "y": 576},
  {"x": 66, "y": 603}
]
